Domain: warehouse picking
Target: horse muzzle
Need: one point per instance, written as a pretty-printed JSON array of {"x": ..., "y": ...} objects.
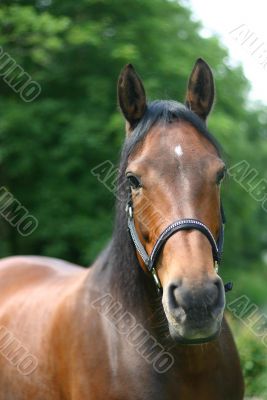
[{"x": 194, "y": 314}]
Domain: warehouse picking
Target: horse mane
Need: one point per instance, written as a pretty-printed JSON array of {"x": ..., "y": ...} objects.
[{"x": 127, "y": 277}]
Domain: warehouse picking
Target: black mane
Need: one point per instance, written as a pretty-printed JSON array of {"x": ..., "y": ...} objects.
[{"x": 127, "y": 276}]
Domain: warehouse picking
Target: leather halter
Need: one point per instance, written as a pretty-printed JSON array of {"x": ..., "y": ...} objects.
[{"x": 183, "y": 224}]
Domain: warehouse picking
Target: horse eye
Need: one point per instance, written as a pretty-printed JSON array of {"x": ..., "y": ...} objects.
[
  {"x": 220, "y": 176},
  {"x": 134, "y": 182}
]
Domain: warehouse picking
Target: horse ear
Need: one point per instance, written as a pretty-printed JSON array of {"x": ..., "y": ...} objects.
[
  {"x": 200, "y": 90},
  {"x": 131, "y": 96}
]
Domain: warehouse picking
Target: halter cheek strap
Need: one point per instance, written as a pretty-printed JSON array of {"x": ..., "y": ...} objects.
[{"x": 183, "y": 224}]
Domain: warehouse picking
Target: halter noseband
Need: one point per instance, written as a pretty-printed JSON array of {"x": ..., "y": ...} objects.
[{"x": 179, "y": 225}]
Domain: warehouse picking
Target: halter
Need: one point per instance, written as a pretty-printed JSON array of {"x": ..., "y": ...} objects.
[{"x": 182, "y": 224}]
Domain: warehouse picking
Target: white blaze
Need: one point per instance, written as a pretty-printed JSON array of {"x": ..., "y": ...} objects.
[{"x": 178, "y": 151}]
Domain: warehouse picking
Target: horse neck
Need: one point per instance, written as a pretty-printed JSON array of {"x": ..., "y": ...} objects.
[{"x": 118, "y": 273}]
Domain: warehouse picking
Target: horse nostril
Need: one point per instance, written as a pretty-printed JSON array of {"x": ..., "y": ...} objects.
[
  {"x": 212, "y": 290},
  {"x": 174, "y": 294},
  {"x": 217, "y": 296}
]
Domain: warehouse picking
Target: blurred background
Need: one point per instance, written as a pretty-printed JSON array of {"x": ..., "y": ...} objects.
[{"x": 75, "y": 50}]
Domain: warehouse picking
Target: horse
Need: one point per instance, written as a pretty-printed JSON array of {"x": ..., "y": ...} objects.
[{"x": 146, "y": 320}]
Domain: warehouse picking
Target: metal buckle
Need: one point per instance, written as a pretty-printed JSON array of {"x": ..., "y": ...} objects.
[
  {"x": 216, "y": 266},
  {"x": 156, "y": 279},
  {"x": 129, "y": 210}
]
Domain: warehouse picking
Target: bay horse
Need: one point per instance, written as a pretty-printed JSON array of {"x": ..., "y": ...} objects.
[{"x": 70, "y": 333}]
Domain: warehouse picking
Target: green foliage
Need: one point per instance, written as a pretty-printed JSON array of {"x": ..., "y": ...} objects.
[{"x": 253, "y": 355}]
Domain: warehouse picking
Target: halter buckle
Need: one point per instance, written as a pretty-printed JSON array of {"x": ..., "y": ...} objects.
[
  {"x": 156, "y": 279},
  {"x": 216, "y": 267},
  {"x": 129, "y": 210}
]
